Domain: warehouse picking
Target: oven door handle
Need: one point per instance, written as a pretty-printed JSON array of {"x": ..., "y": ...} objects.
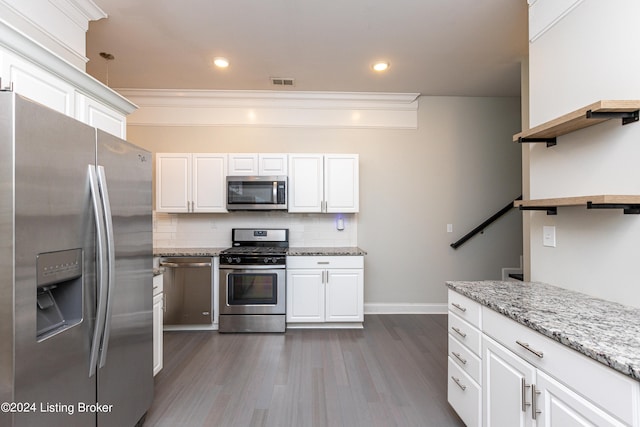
[{"x": 252, "y": 267}]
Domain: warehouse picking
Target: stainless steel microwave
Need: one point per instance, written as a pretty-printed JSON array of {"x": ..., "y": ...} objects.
[{"x": 255, "y": 193}]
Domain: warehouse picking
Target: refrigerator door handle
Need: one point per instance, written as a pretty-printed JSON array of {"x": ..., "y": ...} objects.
[
  {"x": 101, "y": 271},
  {"x": 111, "y": 261}
]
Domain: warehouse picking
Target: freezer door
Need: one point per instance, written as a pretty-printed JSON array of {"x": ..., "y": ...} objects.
[
  {"x": 54, "y": 264},
  {"x": 125, "y": 373}
]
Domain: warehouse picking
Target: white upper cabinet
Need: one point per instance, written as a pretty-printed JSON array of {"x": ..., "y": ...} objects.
[
  {"x": 37, "y": 84},
  {"x": 263, "y": 164},
  {"x": 243, "y": 164},
  {"x": 341, "y": 183},
  {"x": 272, "y": 164},
  {"x": 306, "y": 184},
  {"x": 173, "y": 182},
  {"x": 42, "y": 57},
  {"x": 208, "y": 181},
  {"x": 324, "y": 183},
  {"x": 98, "y": 115},
  {"x": 188, "y": 182}
]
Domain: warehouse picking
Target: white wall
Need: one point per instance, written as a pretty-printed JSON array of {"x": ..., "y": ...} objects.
[
  {"x": 583, "y": 58},
  {"x": 459, "y": 166}
]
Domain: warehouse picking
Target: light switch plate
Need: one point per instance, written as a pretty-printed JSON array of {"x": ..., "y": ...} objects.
[{"x": 549, "y": 236}]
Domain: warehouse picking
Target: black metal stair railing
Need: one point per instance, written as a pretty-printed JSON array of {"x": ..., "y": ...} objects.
[{"x": 485, "y": 224}]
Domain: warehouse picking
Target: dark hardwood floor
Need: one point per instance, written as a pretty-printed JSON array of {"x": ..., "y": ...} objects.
[{"x": 392, "y": 373}]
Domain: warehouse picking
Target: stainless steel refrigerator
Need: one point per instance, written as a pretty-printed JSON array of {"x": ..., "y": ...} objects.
[{"x": 75, "y": 272}]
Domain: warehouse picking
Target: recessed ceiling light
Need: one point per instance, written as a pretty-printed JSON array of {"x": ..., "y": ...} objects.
[
  {"x": 221, "y": 62},
  {"x": 380, "y": 66}
]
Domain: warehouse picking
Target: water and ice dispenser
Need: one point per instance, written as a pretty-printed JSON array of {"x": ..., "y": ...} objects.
[{"x": 59, "y": 291}]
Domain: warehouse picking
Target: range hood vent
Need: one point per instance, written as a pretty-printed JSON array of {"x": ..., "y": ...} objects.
[{"x": 282, "y": 81}]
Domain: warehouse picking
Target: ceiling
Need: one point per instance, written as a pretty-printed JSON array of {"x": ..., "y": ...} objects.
[{"x": 435, "y": 47}]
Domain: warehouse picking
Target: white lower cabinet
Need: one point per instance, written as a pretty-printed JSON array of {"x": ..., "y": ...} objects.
[
  {"x": 464, "y": 379},
  {"x": 515, "y": 394},
  {"x": 528, "y": 379},
  {"x": 506, "y": 388},
  {"x": 561, "y": 406},
  {"x": 325, "y": 289},
  {"x": 158, "y": 312},
  {"x": 464, "y": 395}
]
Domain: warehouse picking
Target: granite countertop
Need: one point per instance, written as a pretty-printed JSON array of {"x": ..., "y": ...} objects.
[
  {"x": 602, "y": 330},
  {"x": 310, "y": 251},
  {"x": 330, "y": 251},
  {"x": 187, "y": 251}
]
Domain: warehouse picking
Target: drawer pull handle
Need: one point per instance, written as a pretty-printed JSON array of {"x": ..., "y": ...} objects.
[
  {"x": 457, "y": 381},
  {"x": 459, "y": 357},
  {"x": 459, "y": 307},
  {"x": 534, "y": 402},
  {"x": 524, "y": 388},
  {"x": 526, "y": 347},
  {"x": 323, "y": 262},
  {"x": 459, "y": 332}
]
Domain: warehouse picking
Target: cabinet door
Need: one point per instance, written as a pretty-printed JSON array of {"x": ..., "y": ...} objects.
[
  {"x": 243, "y": 164},
  {"x": 100, "y": 116},
  {"x": 157, "y": 332},
  {"x": 341, "y": 183},
  {"x": 561, "y": 407},
  {"x": 272, "y": 164},
  {"x": 344, "y": 296},
  {"x": 506, "y": 387},
  {"x": 173, "y": 182},
  {"x": 306, "y": 185},
  {"x": 209, "y": 174},
  {"x": 37, "y": 84},
  {"x": 305, "y": 295}
]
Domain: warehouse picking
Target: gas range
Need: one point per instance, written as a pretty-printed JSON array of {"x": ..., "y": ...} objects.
[
  {"x": 253, "y": 281},
  {"x": 256, "y": 247}
]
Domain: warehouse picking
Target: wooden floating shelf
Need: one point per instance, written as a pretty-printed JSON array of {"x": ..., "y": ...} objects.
[
  {"x": 629, "y": 203},
  {"x": 598, "y": 112}
]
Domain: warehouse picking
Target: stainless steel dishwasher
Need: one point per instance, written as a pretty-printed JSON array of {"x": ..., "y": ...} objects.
[{"x": 188, "y": 284}]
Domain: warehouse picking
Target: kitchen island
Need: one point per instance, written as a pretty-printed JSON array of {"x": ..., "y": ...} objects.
[
  {"x": 527, "y": 350},
  {"x": 602, "y": 330}
]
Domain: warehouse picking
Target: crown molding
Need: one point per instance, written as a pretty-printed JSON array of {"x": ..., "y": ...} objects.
[
  {"x": 171, "y": 107},
  {"x": 18, "y": 43}
]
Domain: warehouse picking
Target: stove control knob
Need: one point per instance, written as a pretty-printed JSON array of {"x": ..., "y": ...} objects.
[
  {"x": 274, "y": 260},
  {"x": 237, "y": 260},
  {"x": 229, "y": 260},
  {"x": 266, "y": 260}
]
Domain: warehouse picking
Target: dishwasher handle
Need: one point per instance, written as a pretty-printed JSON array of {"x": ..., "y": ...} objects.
[{"x": 185, "y": 264}]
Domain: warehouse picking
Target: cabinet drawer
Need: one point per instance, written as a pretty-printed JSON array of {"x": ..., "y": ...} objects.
[
  {"x": 325, "y": 262},
  {"x": 465, "y": 359},
  {"x": 158, "y": 284},
  {"x": 466, "y": 308},
  {"x": 605, "y": 387},
  {"x": 465, "y": 333},
  {"x": 464, "y": 395}
]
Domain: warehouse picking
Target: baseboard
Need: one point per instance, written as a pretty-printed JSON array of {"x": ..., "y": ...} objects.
[
  {"x": 405, "y": 308},
  {"x": 329, "y": 325}
]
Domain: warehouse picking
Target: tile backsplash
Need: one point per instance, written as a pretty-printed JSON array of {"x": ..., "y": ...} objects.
[{"x": 214, "y": 230}]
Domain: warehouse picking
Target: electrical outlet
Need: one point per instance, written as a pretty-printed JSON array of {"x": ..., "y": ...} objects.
[
  {"x": 449, "y": 228},
  {"x": 549, "y": 236}
]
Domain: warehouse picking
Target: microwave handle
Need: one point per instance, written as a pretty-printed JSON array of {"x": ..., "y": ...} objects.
[{"x": 275, "y": 192}]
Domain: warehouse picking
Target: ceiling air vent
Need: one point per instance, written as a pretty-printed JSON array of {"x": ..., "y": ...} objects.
[{"x": 281, "y": 81}]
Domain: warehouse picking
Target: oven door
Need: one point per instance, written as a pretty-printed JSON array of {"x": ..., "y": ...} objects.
[{"x": 252, "y": 290}]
